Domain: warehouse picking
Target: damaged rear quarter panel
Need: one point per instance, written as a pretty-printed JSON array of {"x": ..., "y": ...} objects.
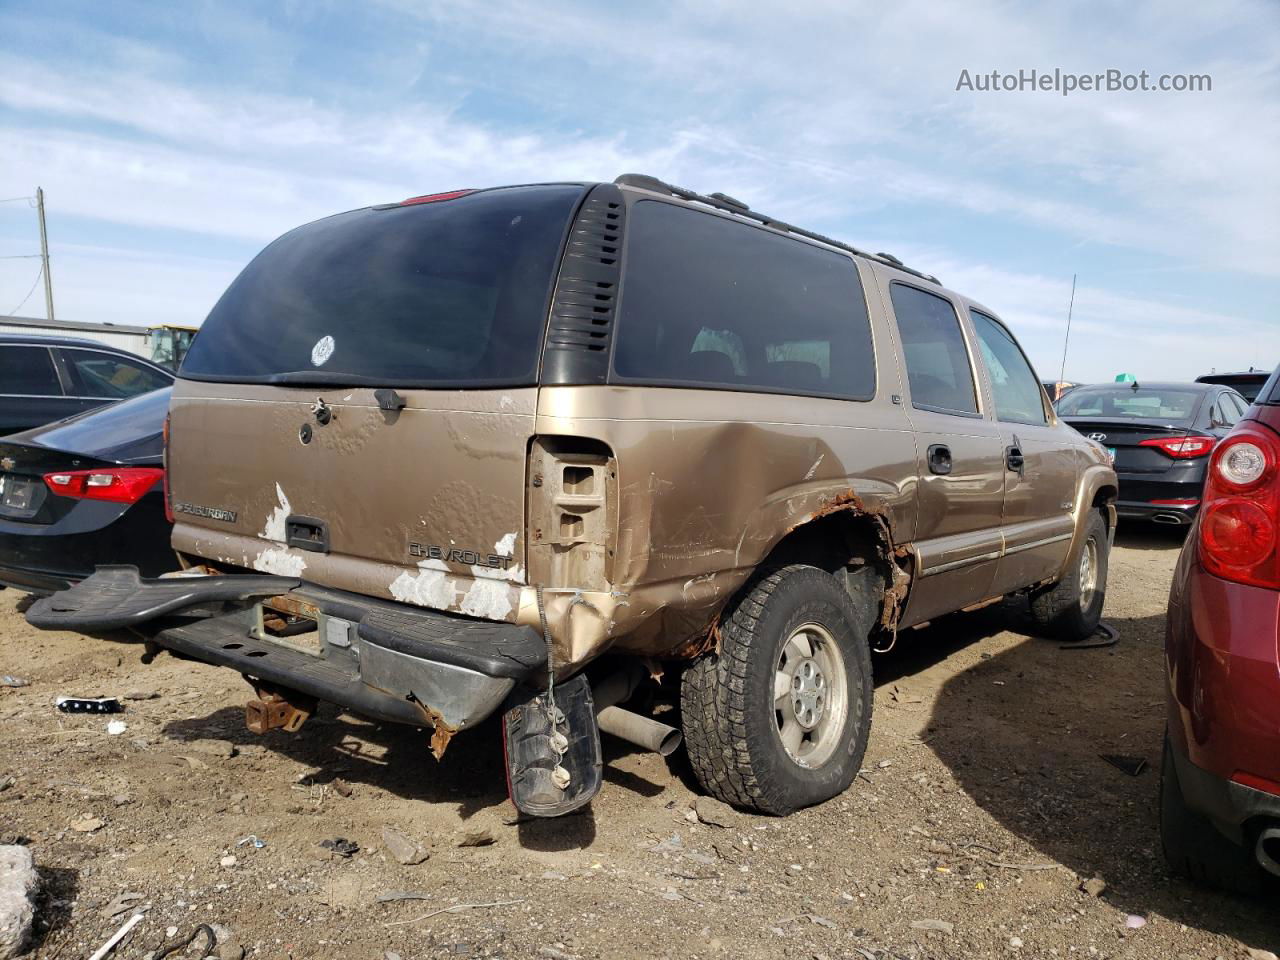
[{"x": 708, "y": 482}]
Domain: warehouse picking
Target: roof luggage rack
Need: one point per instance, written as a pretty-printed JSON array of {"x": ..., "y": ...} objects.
[{"x": 728, "y": 204}]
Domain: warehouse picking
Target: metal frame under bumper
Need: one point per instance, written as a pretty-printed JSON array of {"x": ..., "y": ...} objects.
[
  {"x": 378, "y": 658},
  {"x": 364, "y": 677}
]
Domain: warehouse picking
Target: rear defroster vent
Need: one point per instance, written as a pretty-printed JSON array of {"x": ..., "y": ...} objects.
[{"x": 582, "y": 310}]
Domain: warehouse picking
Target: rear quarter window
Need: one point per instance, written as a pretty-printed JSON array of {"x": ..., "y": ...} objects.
[{"x": 710, "y": 302}]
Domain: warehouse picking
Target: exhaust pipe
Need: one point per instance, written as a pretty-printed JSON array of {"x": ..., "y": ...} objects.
[
  {"x": 1268, "y": 850},
  {"x": 1170, "y": 518},
  {"x": 642, "y": 731},
  {"x": 626, "y": 725}
]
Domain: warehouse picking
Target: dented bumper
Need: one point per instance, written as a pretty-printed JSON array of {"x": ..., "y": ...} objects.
[{"x": 377, "y": 658}]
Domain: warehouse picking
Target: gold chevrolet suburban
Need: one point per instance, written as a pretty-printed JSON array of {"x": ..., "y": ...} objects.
[{"x": 515, "y": 451}]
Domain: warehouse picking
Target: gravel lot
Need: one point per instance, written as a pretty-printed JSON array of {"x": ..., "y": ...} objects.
[{"x": 982, "y": 807}]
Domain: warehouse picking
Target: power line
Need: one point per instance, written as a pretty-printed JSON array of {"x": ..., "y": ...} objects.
[
  {"x": 16, "y": 199},
  {"x": 39, "y": 274},
  {"x": 23, "y": 256}
]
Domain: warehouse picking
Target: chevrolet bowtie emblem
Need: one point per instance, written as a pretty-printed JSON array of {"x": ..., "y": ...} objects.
[{"x": 8, "y": 463}]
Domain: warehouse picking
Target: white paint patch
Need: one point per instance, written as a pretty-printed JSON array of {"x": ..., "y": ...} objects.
[
  {"x": 506, "y": 546},
  {"x": 505, "y": 403},
  {"x": 487, "y": 599},
  {"x": 513, "y": 574},
  {"x": 275, "y": 527},
  {"x": 281, "y": 562},
  {"x": 814, "y": 468},
  {"x": 430, "y": 587}
]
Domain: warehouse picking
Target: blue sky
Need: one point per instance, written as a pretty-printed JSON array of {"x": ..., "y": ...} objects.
[{"x": 174, "y": 140}]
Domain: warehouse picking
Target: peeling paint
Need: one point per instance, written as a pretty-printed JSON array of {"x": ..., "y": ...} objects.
[
  {"x": 487, "y": 599},
  {"x": 275, "y": 526},
  {"x": 430, "y": 587},
  {"x": 280, "y": 561},
  {"x": 506, "y": 547},
  {"x": 814, "y": 469}
]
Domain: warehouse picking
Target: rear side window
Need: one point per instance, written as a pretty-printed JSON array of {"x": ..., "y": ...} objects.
[
  {"x": 937, "y": 360},
  {"x": 446, "y": 294},
  {"x": 28, "y": 371},
  {"x": 105, "y": 375},
  {"x": 1013, "y": 383},
  {"x": 710, "y": 302}
]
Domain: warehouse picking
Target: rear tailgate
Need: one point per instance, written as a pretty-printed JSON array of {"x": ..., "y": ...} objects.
[{"x": 425, "y": 506}]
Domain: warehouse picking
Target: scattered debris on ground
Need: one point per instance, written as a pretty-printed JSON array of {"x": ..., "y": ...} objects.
[{"x": 983, "y": 823}]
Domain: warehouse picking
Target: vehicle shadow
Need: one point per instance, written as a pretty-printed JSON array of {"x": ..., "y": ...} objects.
[
  {"x": 1143, "y": 535},
  {"x": 1027, "y": 750},
  {"x": 470, "y": 777}
]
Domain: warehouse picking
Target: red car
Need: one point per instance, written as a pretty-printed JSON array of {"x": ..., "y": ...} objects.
[{"x": 1220, "y": 787}]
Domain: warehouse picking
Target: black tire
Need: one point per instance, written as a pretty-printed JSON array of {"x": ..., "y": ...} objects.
[
  {"x": 1058, "y": 610},
  {"x": 727, "y": 701},
  {"x": 1194, "y": 848}
]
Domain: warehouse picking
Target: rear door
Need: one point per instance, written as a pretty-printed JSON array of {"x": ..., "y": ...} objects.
[
  {"x": 1040, "y": 461},
  {"x": 961, "y": 479},
  {"x": 31, "y": 392},
  {"x": 358, "y": 407}
]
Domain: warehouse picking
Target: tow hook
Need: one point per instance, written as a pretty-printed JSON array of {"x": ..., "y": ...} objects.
[{"x": 273, "y": 710}]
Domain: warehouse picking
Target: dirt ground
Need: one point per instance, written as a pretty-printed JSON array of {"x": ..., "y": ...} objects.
[{"x": 982, "y": 806}]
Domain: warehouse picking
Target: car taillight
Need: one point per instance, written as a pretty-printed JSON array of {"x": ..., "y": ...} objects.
[
  {"x": 1181, "y": 448},
  {"x": 116, "y": 484},
  {"x": 1241, "y": 511},
  {"x": 164, "y": 459}
]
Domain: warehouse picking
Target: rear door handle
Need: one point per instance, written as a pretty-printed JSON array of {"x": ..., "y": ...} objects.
[{"x": 940, "y": 459}]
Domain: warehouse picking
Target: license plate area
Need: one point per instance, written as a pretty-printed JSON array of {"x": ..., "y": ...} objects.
[{"x": 20, "y": 497}]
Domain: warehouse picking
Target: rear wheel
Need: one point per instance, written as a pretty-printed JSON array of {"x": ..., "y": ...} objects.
[
  {"x": 1193, "y": 847},
  {"x": 1071, "y": 609},
  {"x": 778, "y": 718}
]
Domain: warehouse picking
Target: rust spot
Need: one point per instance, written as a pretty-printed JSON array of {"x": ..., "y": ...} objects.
[
  {"x": 442, "y": 732},
  {"x": 845, "y": 500},
  {"x": 703, "y": 643},
  {"x": 294, "y": 605}
]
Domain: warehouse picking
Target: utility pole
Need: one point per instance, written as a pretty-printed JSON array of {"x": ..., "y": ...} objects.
[{"x": 44, "y": 255}]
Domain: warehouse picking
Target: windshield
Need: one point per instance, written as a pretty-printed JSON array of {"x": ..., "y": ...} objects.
[
  {"x": 1124, "y": 402},
  {"x": 451, "y": 293}
]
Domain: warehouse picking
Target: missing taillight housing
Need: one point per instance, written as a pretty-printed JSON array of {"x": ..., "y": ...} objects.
[
  {"x": 1182, "y": 448},
  {"x": 1241, "y": 512},
  {"x": 113, "y": 484}
]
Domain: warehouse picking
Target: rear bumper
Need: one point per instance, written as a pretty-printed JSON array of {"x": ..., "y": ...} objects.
[
  {"x": 1223, "y": 672},
  {"x": 1179, "y": 514},
  {"x": 1228, "y": 805},
  {"x": 44, "y": 558},
  {"x": 1182, "y": 484},
  {"x": 376, "y": 658}
]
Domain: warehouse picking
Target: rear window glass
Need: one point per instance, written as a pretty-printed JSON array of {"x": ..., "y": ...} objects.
[
  {"x": 1125, "y": 402},
  {"x": 710, "y": 302},
  {"x": 28, "y": 371},
  {"x": 452, "y": 293}
]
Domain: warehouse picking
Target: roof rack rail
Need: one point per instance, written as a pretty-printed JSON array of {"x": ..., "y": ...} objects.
[{"x": 728, "y": 204}]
